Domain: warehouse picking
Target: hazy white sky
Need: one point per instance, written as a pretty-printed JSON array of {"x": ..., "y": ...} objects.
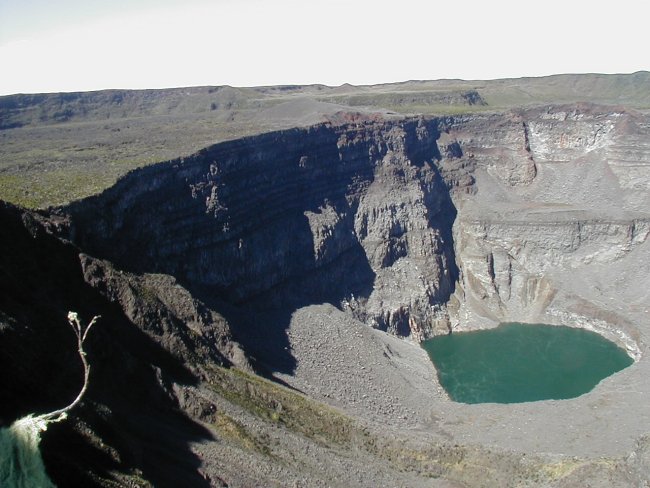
[{"x": 71, "y": 45}]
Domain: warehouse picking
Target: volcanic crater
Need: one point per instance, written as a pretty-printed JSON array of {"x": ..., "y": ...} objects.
[{"x": 319, "y": 258}]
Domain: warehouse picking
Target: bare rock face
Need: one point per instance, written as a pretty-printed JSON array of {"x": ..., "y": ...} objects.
[
  {"x": 357, "y": 215},
  {"x": 564, "y": 135},
  {"x": 496, "y": 143},
  {"x": 507, "y": 265},
  {"x": 153, "y": 340},
  {"x": 547, "y": 198},
  {"x": 166, "y": 311},
  {"x": 364, "y": 215}
]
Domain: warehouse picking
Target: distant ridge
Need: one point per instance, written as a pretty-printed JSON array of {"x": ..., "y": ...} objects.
[{"x": 632, "y": 90}]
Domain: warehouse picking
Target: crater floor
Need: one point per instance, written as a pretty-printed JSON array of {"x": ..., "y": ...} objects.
[{"x": 391, "y": 383}]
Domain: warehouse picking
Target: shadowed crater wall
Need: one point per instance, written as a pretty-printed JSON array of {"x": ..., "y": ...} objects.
[
  {"x": 130, "y": 418},
  {"x": 356, "y": 215}
]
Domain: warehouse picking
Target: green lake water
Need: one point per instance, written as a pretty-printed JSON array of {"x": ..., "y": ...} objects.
[{"x": 515, "y": 363}]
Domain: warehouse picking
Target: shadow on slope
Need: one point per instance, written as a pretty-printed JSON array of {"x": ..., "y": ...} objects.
[
  {"x": 264, "y": 326},
  {"x": 129, "y": 421},
  {"x": 236, "y": 223}
]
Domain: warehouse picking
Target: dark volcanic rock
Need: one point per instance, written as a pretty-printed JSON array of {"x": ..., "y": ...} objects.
[
  {"x": 356, "y": 215},
  {"x": 152, "y": 335}
]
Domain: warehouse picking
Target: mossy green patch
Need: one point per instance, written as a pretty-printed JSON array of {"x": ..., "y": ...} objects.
[
  {"x": 278, "y": 404},
  {"x": 235, "y": 431}
]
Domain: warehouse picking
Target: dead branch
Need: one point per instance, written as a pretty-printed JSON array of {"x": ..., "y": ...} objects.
[{"x": 82, "y": 334}]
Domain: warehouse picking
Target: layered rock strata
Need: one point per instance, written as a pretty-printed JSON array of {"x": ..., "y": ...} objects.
[
  {"x": 547, "y": 198},
  {"x": 357, "y": 215},
  {"x": 363, "y": 215}
]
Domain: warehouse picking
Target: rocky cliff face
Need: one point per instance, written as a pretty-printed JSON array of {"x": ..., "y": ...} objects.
[
  {"x": 153, "y": 341},
  {"x": 545, "y": 195},
  {"x": 364, "y": 215},
  {"x": 357, "y": 215}
]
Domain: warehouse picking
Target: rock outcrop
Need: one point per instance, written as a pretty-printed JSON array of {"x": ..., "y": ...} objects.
[
  {"x": 363, "y": 214},
  {"x": 544, "y": 195},
  {"x": 153, "y": 341},
  {"x": 357, "y": 215}
]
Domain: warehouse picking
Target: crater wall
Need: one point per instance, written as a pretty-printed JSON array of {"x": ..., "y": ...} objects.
[
  {"x": 356, "y": 215},
  {"x": 416, "y": 226},
  {"x": 550, "y": 202}
]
